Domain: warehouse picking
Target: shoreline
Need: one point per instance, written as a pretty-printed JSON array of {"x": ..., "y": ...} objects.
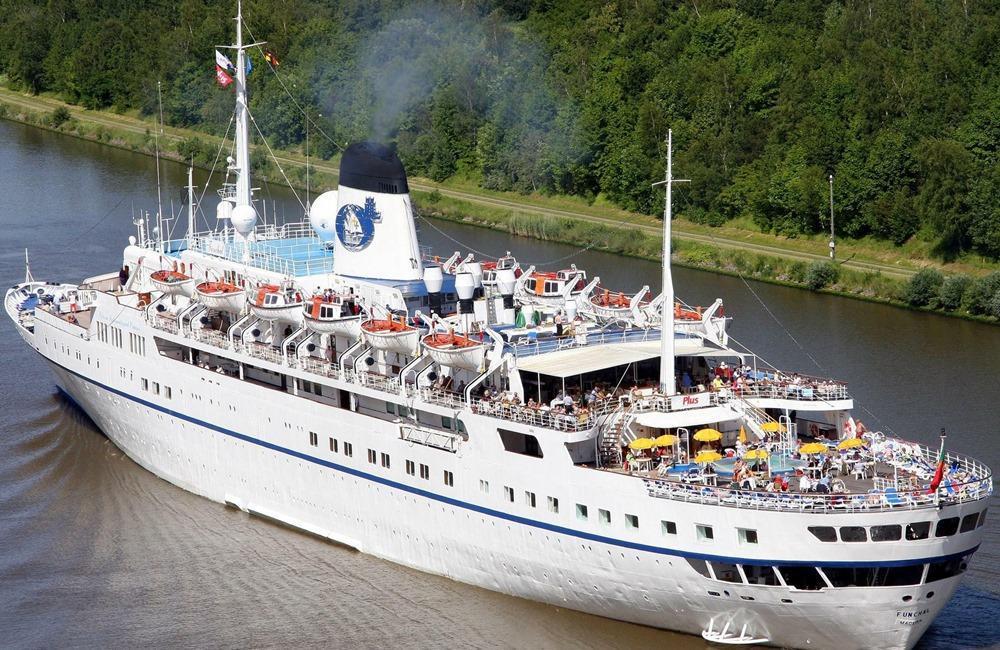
[{"x": 703, "y": 252}]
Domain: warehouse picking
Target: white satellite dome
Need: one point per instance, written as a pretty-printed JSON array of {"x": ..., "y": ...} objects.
[
  {"x": 323, "y": 215},
  {"x": 244, "y": 218}
]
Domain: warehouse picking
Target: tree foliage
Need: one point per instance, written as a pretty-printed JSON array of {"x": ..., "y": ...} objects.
[{"x": 898, "y": 100}]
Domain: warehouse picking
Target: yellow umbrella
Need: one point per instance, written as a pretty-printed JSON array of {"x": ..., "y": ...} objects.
[
  {"x": 666, "y": 440},
  {"x": 772, "y": 427},
  {"x": 813, "y": 448},
  {"x": 707, "y": 435},
  {"x": 851, "y": 443},
  {"x": 743, "y": 435},
  {"x": 707, "y": 457},
  {"x": 756, "y": 454},
  {"x": 641, "y": 443}
]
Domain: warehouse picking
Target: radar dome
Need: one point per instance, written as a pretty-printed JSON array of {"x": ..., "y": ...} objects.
[
  {"x": 244, "y": 218},
  {"x": 433, "y": 279},
  {"x": 323, "y": 215}
]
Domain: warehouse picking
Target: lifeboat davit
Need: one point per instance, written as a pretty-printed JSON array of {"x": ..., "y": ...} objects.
[
  {"x": 454, "y": 350},
  {"x": 222, "y": 296},
  {"x": 332, "y": 315},
  {"x": 273, "y": 303},
  {"x": 391, "y": 335},
  {"x": 172, "y": 283}
]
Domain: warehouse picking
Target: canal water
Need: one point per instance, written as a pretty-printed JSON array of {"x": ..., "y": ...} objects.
[{"x": 95, "y": 550}]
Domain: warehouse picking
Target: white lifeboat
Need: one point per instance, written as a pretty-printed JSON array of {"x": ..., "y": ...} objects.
[
  {"x": 222, "y": 296},
  {"x": 553, "y": 289},
  {"x": 274, "y": 303},
  {"x": 488, "y": 275},
  {"x": 332, "y": 315},
  {"x": 454, "y": 350},
  {"x": 172, "y": 283},
  {"x": 613, "y": 307},
  {"x": 391, "y": 335}
]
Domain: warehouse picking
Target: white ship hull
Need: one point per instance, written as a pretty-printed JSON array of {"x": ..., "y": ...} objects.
[{"x": 257, "y": 461}]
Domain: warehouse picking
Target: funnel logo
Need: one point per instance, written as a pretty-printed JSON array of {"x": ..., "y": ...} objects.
[{"x": 356, "y": 225}]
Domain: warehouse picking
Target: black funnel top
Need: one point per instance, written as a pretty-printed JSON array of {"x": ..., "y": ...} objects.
[{"x": 373, "y": 167}]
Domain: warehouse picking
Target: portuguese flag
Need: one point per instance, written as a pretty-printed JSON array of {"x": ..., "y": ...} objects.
[{"x": 939, "y": 472}]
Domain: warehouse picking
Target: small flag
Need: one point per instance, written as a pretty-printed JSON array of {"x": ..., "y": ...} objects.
[
  {"x": 249, "y": 65},
  {"x": 222, "y": 77},
  {"x": 271, "y": 59},
  {"x": 939, "y": 472},
  {"x": 223, "y": 62},
  {"x": 850, "y": 428}
]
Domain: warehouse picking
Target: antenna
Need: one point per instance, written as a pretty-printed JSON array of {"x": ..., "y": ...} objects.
[
  {"x": 156, "y": 140},
  {"x": 28, "y": 279},
  {"x": 668, "y": 382},
  {"x": 190, "y": 189},
  {"x": 307, "y": 166},
  {"x": 833, "y": 244}
]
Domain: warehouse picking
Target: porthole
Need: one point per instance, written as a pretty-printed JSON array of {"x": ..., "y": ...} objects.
[
  {"x": 930, "y": 594},
  {"x": 907, "y": 599}
]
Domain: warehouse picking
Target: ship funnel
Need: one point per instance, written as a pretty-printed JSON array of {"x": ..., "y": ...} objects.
[{"x": 373, "y": 232}]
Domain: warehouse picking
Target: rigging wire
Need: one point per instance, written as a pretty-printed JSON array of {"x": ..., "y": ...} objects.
[
  {"x": 211, "y": 172},
  {"x": 274, "y": 71},
  {"x": 101, "y": 220},
  {"x": 794, "y": 340},
  {"x": 275, "y": 158}
]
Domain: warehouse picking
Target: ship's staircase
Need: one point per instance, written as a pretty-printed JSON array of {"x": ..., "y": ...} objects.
[
  {"x": 763, "y": 426},
  {"x": 614, "y": 433}
]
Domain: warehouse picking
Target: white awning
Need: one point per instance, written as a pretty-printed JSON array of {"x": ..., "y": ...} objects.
[
  {"x": 580, "y": 360},
  {"x": 688, "y": 418}
]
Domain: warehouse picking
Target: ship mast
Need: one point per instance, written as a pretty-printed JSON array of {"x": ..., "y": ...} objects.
[
  {"x": 242, "y": 116},
  {"x": 668, "y": 381}
]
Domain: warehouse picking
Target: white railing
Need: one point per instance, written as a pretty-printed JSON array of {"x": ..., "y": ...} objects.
[{"x": 821, "y": 393}]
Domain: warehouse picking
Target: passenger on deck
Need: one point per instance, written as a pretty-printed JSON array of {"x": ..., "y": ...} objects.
[{"x": 123, "y": 276}]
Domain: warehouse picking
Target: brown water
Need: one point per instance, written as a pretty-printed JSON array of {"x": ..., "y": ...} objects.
[{"x": 95, "y": 551}]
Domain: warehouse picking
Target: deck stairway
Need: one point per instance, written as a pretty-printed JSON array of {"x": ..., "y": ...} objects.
[
  {"x": 609, "y": 449},
  {"x": 754, "y": 417}
]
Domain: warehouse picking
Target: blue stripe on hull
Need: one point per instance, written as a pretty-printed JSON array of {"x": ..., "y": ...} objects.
[{"x": 497, "y": 513}]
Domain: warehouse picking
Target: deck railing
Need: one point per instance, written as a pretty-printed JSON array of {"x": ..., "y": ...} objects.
[
  {"x": 972, "y": 489},
  {"x": 527, "y": 348}
]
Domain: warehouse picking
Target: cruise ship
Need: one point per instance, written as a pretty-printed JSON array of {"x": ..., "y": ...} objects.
[{"x": 523, "y": 430}]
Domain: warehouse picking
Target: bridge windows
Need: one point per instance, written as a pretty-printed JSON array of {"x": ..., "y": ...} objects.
[
  {"x": 385, "y": 461},
  {"x": 891, "y": 533},
  {"x": 947, "y": 568},
  {"x": 333, "y": 445},
  {"x": 348, "y": 449},
  {"x": 508, "y": 493},
  {"x": 554, "y": 505},
  {"x": 874, "y": 576},
  {"x": 824, "y": 533},
  {"x": 946, "y": 527},
  {"x": 425, "y": 472},
  {"x": 520, "y": 443},
  {"x": 918, "y": 530},
  {"x": 853, "y": 534},
  {"x": 806, "y": 578},
  {"x": 726, "y": 572},
  {"x": 529, "y": 498},
  {"x": 969, "y": 522}
]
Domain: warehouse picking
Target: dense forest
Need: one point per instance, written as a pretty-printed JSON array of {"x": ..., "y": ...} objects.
[{"x": 899, "y": 100}]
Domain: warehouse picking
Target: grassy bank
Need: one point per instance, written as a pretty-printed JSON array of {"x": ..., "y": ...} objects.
[{"x": 968, "y": 295}]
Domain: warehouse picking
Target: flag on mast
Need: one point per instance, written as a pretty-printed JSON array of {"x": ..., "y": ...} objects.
[
  {"x": 222, "y": 77},
  {"x": 223, "y": 62},
  {"x": 939, "y": 472},
  {"x": 249, "y": 64},
  {"x": 271, "y": 59},
  {"x": 850, "y": 428}
]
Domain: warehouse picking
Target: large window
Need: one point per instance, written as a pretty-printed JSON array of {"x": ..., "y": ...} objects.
[
  {"x": 874, "y": 576},
  {"x": 946, "y": 569},
  {"x": 891, "y": 533},
  {"x": 946, "y": 527},
  {"x": 918, "y": 530},
  {"x": 806, "y": 578},
  {"x": 726, "y": 572},
  {"x": 853, "y": 534},
  {"x": 520, "y": 443}
]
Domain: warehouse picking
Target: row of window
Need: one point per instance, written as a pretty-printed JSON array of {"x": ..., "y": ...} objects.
[
  {"x": 814, "y": 578},
  {"x": 136, "y": 344},
  {"x": 383, "y": 459},
  {"x": 109, "y": 334},
  {"x": 894, "y": 532},
  {"x": 155, "y": 388}
]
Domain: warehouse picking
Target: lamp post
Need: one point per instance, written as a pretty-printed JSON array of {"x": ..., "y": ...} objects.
[{"x": 833, "y": 243}]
